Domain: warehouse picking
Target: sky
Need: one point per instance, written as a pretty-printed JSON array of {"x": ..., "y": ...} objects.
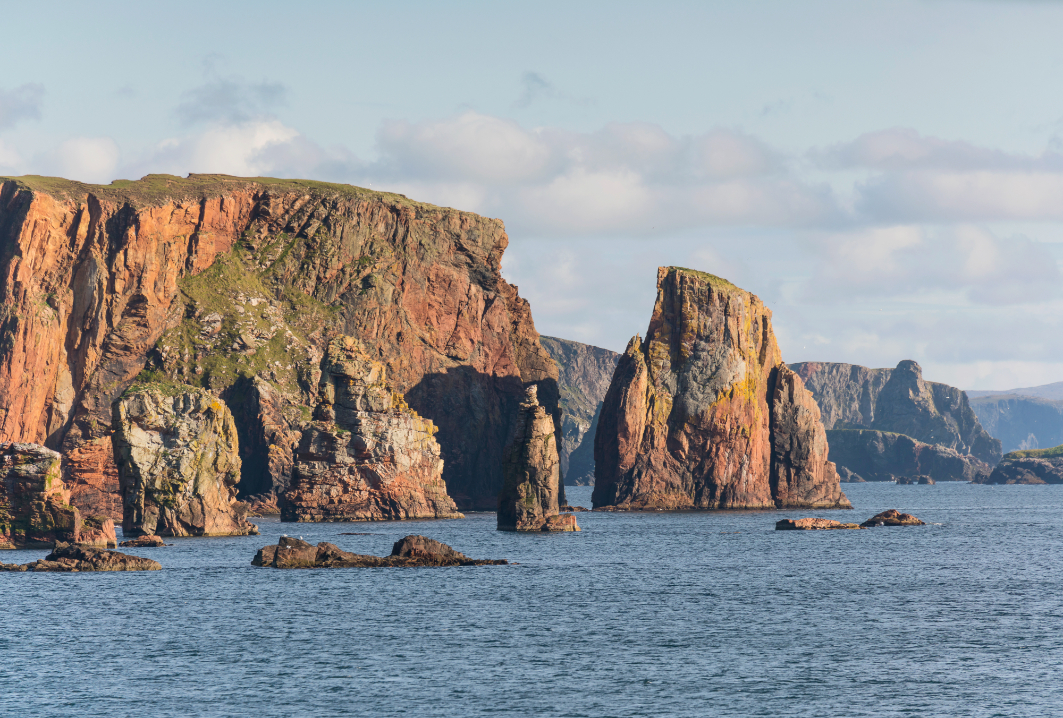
[{"x": 886, "y": 176}]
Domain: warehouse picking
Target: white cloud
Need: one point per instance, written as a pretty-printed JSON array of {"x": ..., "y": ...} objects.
[
  {"x": 86, "y": 159},
  {"x": 241, "y": 149},
  {"x": 22, "y": 103}
]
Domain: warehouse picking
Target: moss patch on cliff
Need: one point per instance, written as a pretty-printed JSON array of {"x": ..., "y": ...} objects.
[
  {"x": 1049, "y": 453},
  {"x": 712, "y": 279}
]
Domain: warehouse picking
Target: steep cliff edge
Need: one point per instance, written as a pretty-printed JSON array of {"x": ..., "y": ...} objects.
[
  {"x": 584, "y": 373},
  {"x": 900, "y": 401},
  {"x": 1021, "y": 422},
  {"x": 236, "y": 285},
  {"x": 692, "y": 418}
]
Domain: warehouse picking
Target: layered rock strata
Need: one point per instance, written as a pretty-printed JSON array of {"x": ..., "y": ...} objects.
[
  {"x": 35, "y": 505},
  {"x": 884, "y": 456},
  {"x": 531, "y": 479},
  {"x": 236, "y": 285},
  {"x": 898, "y": 401},
  {"x": 704, "y": 415},
  {"x": 74, "y": 558},
  {"x": 368, "y": 456},
  {"x": 178, "y": 464},
  {"x": 584, "y": 373},
  {"x": 409, "y": 552}
]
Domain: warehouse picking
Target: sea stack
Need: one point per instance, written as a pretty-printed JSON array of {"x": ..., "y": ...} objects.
[
  {"x": 703, "y": 414},
  {"x": 178, "y": 463},
  {"x": 367, "y": 456},
  {"x": 531, "y": 474}
]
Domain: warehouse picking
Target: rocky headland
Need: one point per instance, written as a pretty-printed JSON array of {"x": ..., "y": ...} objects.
[
  {"x": 529, "y": 500},
  {"x": 1033, "y": 466},
  {"x": 367, "y": 456},
  {"x": 703, "y": 414},
  {"x": 236, "y": 286},
  {"x": 35, "y": 508},
  {"x": 900, "y": 423},
  {"x": 178, "y": 463},
  {"x": 409, "y": 552},
  {"x": 584, "y": 373},
  {"x": 1021, "y": 422}
]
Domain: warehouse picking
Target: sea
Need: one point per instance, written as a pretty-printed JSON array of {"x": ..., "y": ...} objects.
[{"x": 640, "y": 614}]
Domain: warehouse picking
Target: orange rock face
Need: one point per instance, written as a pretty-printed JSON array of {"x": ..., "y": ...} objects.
[
  {"x": 236, "y": 286},
  {"x": 92, "y": 476},
  {"x": 693, "y": 418}
]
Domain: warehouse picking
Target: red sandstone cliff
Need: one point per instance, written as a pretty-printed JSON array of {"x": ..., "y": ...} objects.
[
  {"x": 236, "y": 285},
  {"x": 696, "y": 415}
]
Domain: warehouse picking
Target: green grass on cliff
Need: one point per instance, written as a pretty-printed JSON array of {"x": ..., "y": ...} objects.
[
  {"x": 1049, "y": 453},
  {"x": 710, "y": 278},
  {"x": 157, "y": 189}
]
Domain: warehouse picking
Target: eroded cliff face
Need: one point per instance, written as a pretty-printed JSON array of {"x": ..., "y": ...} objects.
[
  {"x": 687, "y": 421},
  {"x": 1021, "y": 422},
  {"x": 236, "y": 286},
  {"x": 898, "y": 401},
  {"x": 584, "y": 375},
  {"x": 178, "y": 464},
  {"x": 368, "y": 456},
  {"x": 870, "y": 455}
]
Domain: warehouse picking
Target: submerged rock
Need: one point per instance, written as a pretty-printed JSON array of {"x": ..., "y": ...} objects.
[
  {"x": 703, "y": 414},
  {"x": 145, "y": 541},
  {"x": 369, "y": 456},
  {"x": 531, "y": 478},
  {"x": 892, "y": 517},
  {"x": 812, "y": 524},
  {"x": 179, "y": 464},
  {"x": 75, "y": 558},
  {"x": 409, "y": 552}
]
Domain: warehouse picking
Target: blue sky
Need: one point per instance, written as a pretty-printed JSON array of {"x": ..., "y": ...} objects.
[{"x": 888, "y": 177}]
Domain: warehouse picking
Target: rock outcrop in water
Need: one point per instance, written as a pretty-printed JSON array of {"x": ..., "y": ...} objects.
[
  {"x": 1034, "y": 466},
  {"x": 73, "y": 558},
  {"x": 885, "y": 456},
  {"x": 812, "y": 524},
  {"x": 584, "y": 373},
  {"x": 702, "y": 415},
  {"x": 236, "y": 286},
  {"x": 178, "y": 463},
  {"x": 892, "y": 517},
  {"x": 893, "y": 402},
  {"x": 35, "y": 505},
  {"x": 368, "y": 457},
  {"x": 409, "y": 552},
  {"x": 530, "y": 475}
]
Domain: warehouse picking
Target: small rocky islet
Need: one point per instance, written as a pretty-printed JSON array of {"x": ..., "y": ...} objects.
[
  {"x": 330, "y": 353},
  {"x": 890, "y": 517}
]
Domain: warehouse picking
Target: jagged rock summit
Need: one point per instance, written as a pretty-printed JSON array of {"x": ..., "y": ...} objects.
[
  {"x": 368, "y": 456},
  {"x": 178, "y": 463},
  {"x": 885, "y": 423},
  {"x": 703, "y": 414},
  {"x": 531, "y": 482},
  {"x": 236, "y": 285}
]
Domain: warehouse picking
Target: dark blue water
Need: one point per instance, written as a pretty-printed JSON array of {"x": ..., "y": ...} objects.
[{"x": 640, "y": 615}]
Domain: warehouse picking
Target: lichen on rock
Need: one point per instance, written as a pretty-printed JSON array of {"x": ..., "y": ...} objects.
[
  {"x": 178, "y": 463},
  {"x": 531, "y": 474},
  {"x": 367, "y": 456}
]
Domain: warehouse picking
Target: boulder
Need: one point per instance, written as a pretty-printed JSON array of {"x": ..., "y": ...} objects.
[
  {"x": 368, "y": 456},
  {"x": 703, "y": 414},
  {"x": 531, "y": 474},
  {"x": 812, "y": 524},
  {"x": 178, "y": 463},
  {"x": 584, "y": 373},
  {"x": 892, "y": 517},
  {"x": 409, "y": 552},
  {"x": 76, "y": 558},
  {"x": 883, "y": 456}
]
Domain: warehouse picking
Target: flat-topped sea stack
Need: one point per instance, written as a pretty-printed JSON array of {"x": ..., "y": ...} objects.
[
  {"x": 887, "y": 423},
  {"x": 703, "y": 414},
  {"x": 531, "y": 475},
  {"x": 368, "y": 456},
  {"x": 178, "y": 463},
  {"x": 35, "y": 508},
  {"x": 236, "y": 286}
]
